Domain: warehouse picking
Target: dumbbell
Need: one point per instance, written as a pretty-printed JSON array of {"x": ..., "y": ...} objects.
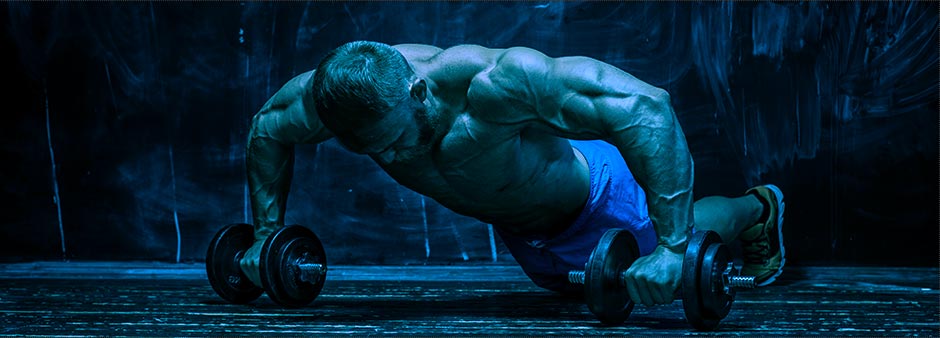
[
  {"x": 293, "y": 265},
  {"x": 709, "y": 279}
]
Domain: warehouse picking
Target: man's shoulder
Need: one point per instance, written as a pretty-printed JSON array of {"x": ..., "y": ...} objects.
[
  {"x": 464, "y": 54},
  {"x": 417, "y": 52},
  {"x": 454, "y": 64},
  {"x": 513, "y": 73},
  {"x": 292, "y": 91},
  {"x": 464, "y": 62}
]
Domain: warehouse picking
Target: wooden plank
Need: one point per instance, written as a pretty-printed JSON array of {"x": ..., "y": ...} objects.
[
  {"x": 163, "y": 271},
  {"x": 807, "y": 301}
]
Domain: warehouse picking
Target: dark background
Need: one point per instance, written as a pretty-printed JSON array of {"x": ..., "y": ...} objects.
[{"x": 124, "y": 124}]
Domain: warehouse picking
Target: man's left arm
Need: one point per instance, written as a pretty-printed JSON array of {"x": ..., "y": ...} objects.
[{"x": 582, "y": 98}]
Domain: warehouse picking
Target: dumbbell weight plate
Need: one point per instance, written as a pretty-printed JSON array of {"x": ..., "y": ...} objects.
[
  {"x": 716, "y": 301},
  {"x": 604, "y": 294},
  {"x": 693, "y": 288},
  {"x": 280, "y": 276},
  {"x": 222, "y": 264}
]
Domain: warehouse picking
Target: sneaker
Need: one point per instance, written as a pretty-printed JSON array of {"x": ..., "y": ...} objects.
[{"x": 762, "y": 243}]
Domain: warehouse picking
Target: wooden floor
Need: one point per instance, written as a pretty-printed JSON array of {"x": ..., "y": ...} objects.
[{"x": 155, "y": 299}]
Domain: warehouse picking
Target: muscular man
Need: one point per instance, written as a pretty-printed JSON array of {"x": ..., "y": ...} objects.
[{"x": 551, "y": 151}]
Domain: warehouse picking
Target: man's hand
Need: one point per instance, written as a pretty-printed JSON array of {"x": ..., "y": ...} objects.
[
  {"x": 653, "y": 279},
  {"x": 251, "y": 261}
]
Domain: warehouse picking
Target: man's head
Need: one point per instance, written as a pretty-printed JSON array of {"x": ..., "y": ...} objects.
[{"x": 367, "y": 94}]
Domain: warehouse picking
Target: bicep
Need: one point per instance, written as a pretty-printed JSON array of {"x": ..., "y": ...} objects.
[{"x": 288, "y": 117}]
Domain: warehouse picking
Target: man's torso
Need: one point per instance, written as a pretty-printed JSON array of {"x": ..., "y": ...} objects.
[{"x": 515, "y": 176}]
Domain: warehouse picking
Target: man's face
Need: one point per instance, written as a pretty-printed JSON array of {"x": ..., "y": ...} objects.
[{"x": 400, "y": 136}]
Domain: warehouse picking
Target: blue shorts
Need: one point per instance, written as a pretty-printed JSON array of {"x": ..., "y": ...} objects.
[{"x": 615, "y": 201}]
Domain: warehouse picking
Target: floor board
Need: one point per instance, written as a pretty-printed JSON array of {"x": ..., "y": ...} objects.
[{"x": 155, "y": 299}]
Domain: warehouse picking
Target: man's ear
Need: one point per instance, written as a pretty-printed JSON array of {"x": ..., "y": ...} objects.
[{"x": 419, "y": 90}]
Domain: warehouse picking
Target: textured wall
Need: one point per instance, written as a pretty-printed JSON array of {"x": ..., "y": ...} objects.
[{"x": 125, "y": 123}]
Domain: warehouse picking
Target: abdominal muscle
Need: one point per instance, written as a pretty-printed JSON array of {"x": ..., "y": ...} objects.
[{"x": 551, "y": 202}]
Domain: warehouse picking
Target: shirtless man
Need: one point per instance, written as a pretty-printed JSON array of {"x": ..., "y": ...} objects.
[{"x": 537, "y": 146}]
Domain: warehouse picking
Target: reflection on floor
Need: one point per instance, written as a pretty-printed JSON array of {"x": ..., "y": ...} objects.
[{"x": 158, "y": 299}]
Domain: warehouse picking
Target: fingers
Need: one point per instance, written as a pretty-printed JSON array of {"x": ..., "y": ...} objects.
[
  {"x": 647, "y": 291},
  {"x": 655, "y": 292},
  {"x": 667, "y": 293},
  {"x": 648, "y": 288},
  {"x": 638, "y": 287},
  {"x": 633, "y": 288},
  {"x": 250, "y": 263}
]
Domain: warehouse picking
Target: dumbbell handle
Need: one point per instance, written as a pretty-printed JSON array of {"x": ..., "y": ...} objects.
[
  {"x": 309, "y": 272},
  {"x": 742, "y": 282},
  {"x": 738, "y": 282}
]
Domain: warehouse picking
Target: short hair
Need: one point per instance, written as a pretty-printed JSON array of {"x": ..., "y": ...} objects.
[{"x": 357, "y": 82}]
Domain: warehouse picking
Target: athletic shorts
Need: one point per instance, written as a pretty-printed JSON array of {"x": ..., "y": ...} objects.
[{"x": 615, "y": 201}]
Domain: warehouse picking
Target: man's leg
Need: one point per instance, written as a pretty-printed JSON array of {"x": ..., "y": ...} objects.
[
  {"x": 727, "y": 216},
  {"x": 756, "y": 220}
]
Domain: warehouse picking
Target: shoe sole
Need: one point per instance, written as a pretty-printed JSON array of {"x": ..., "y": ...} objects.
[{"x": 783, "y": 257}]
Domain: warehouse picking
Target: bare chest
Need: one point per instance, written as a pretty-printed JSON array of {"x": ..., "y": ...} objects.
[{"x": 492, "y": 172}]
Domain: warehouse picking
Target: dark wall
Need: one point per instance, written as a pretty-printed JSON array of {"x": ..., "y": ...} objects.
[{"x": 125, "y": 123}]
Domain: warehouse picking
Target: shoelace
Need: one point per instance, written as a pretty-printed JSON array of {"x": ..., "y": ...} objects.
[{"x": 756, "y": 252}]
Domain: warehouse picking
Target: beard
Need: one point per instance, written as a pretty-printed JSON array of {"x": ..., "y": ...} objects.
[
  {"x": 413, "y": 153},
  {"x": 429, "y": 130}
]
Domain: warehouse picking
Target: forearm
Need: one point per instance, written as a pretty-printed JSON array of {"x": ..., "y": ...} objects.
[
  {"x": 269, "y": 166},
  {"x": 656, "y": 151},
  {"x": 284, "y": 121}
]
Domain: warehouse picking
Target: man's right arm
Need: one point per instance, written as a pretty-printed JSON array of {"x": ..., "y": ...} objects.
[{"x": 287, "y": 119}]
